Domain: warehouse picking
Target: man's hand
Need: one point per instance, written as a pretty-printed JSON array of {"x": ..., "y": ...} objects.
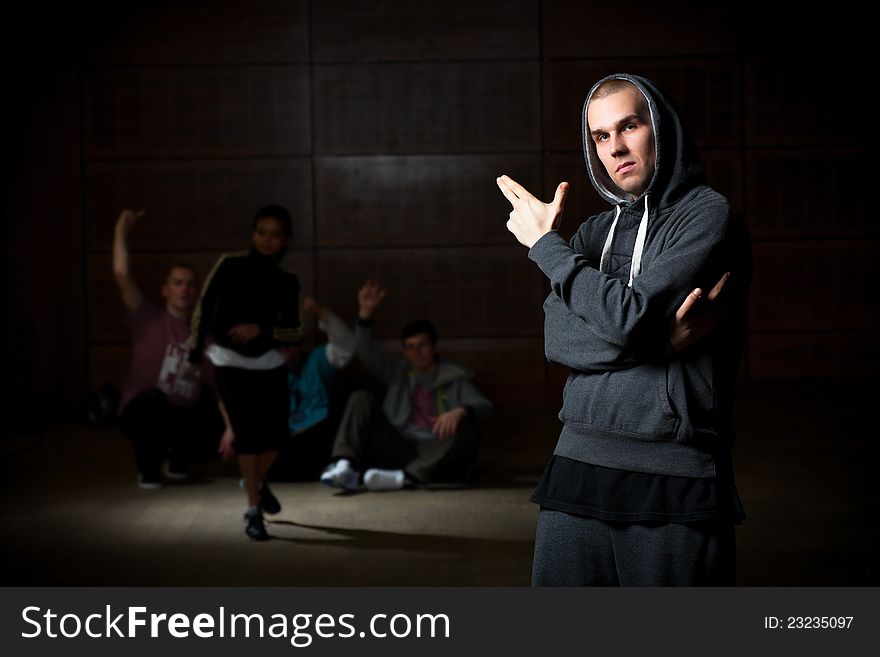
[
  {"x": 531, "y": 219},
  {"x": 691, "y": 324},
  {"x": 243, "y": 333},
  {"x": 369, "y": 297},
  {"x": 446, "y": 424},
  {"x": 311, "y": 306},
  {"x": 127, "y": 220}
]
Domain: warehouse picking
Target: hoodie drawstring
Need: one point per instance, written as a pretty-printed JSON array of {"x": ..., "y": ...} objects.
[
  {"x": 635, "y": 267},
  {"x": 603, "y": 263}
]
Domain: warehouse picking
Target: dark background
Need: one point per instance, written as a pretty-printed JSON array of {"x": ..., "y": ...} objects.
[{"x": 382, "y": 126}]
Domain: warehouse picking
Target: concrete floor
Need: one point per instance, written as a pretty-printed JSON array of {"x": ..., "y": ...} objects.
[{"x": 70, "y": 513}]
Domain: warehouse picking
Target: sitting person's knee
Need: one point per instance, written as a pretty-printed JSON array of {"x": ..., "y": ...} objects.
[{"x": 362, "y": 399}]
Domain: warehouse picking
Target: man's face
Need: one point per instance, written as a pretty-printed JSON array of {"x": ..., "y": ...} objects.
[
  {"x": 180, "y": 289},
  {"x": 269, "y": 236},
  {"x": 620, "y": 126},
  {"x": 419, "y": 352}
]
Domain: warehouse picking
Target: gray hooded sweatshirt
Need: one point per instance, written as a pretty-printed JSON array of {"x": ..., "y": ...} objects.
[
  {"x": 453, "y": 386},
  {"x": 630, "y": 402}
]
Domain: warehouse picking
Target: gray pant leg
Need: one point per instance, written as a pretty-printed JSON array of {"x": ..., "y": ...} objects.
[
  {"x": 366, "y": 438},
  {"x": 449, "y": 458},
  {"x": 699, "y": 554},
  {"x": 575, "y": 551},
  {"x": 572, "y": 551},
  {"x": 353, "y": 434}
]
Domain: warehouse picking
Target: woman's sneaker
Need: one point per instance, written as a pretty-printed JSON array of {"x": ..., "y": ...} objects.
[
  {"x": 254, "y": 527},
  {"x": 268, "y": 502}
]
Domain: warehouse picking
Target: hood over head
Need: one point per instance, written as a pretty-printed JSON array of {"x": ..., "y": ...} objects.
[{"x": 677, "y": 167}]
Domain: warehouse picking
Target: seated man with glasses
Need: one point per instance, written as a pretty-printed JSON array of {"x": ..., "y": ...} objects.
[{"x": 425, "y": 428}]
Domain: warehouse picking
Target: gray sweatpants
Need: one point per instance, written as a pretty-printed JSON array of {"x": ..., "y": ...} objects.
[
  {"x": 367, "y": 438},
  {"x": 577, "y": 551}
]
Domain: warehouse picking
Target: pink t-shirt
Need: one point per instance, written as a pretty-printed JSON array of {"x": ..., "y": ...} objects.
[
  {"x": 423, "y": 413},
  {"x": 159, "y": 354}
]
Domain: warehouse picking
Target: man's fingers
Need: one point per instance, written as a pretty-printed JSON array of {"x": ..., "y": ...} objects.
[
  {"x": 508, "y": 192},
  {"x": 558, "y": 203},
  {"x": 559, "y": 197},
  {"x": 688, "y": 304},
  {"x": 517, "y": 189},
  {"x": 718, "y": 287},
  {"x": 506, "y": 184}
]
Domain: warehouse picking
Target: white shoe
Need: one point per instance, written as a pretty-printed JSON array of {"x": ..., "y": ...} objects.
[
  {"x": 148, "y": 484},
  {"x": 375, "y": 479},
  {"x": 175, "y": 475},
  {"x": 340, "y": 475}
]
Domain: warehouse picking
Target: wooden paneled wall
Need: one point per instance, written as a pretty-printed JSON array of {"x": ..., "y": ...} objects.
[
  {"x": 43, "y": 355},
  {"x": 382, "y": 126}
]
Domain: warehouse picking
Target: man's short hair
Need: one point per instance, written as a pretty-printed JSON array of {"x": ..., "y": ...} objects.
[
  {"x": 275, "y": 212},
  {"x": 418, "y": 327},
  {"x": 609, "y": 87},
  {"x": 181, "y": 265}
]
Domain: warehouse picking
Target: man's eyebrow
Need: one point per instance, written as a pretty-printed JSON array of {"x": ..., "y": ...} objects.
[{"x": 627, "y": 119}]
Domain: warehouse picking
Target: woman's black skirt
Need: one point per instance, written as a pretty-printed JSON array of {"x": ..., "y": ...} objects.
[{"x": 258, "y": 404}]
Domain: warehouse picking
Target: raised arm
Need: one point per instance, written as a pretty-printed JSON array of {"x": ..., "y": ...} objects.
[
  {"x": 130, "y": 292},
  {"x": 340, "y": 347},
  {"x": 371, "y": 354}
]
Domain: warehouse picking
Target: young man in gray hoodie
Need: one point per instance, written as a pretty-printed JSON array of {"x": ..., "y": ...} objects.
[
  {"x": 640, "y": 488},
  {"x": 426, "y": 427}
]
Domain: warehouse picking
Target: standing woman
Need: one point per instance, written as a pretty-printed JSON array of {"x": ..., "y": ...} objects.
[{"x": 250, "y": 308}]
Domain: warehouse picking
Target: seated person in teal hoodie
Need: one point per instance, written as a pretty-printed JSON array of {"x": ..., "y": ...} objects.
[
  {"x": 314, "y": 392},
  {"x": 425, "y": 429}
]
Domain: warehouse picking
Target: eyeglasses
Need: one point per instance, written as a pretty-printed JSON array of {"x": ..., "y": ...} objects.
[{"x": 415, "y": 346}]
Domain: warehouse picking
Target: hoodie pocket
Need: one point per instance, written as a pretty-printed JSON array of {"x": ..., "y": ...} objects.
[
  {"x": 691, "y": 391},
  {"x": 632, "y": 401}
]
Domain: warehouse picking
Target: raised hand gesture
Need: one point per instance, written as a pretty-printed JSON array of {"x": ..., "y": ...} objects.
[
  {"x": 369, "y": 297},
  {"x": 530, "y": 218},
  {"x": 127, "y": 220},
  {"x": 692, "y": 323}
]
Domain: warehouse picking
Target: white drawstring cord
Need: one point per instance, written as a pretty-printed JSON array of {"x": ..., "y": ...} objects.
[{"x": 635, "y": 267}]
